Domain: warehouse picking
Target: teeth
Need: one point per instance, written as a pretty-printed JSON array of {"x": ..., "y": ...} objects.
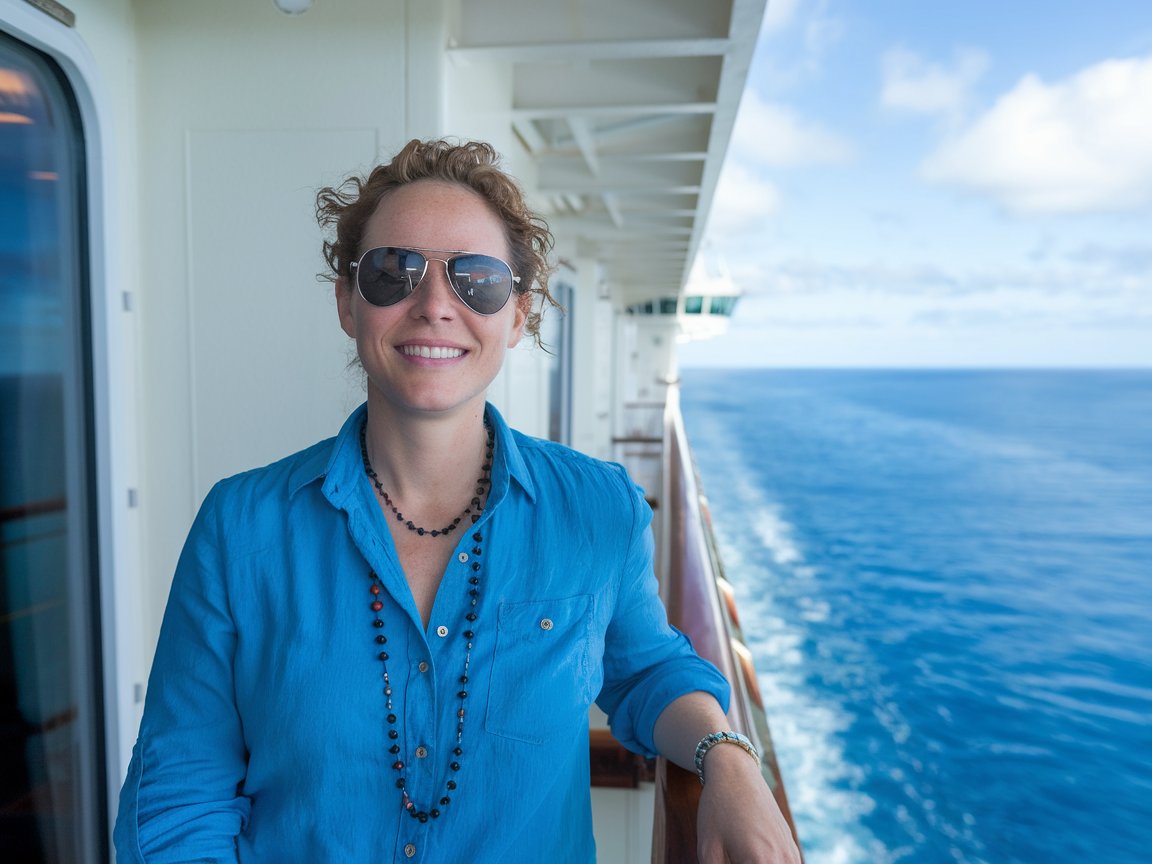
[{"x": 433, "y": 353}]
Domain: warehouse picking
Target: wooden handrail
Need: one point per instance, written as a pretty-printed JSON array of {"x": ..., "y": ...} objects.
[{"x": 695, "y": 607}]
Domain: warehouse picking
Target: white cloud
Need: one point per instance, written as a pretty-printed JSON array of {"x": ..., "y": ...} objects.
[
  {"x": 742, "y": 203},
  {"x": 795, "y": 41},
  {"x": 778, "y": 15},
  {"x": 1102, "y": 276},
  {"x": 1080, "y": 145},
  {"x": 914, "y": 84},
  {"x": 773, "y": 135},
  {"x": 822, "y": 32},
  {"x": 765, "y": 136}
]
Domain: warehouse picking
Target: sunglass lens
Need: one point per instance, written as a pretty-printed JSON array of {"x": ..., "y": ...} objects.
[
  {"x": 387, "y": 275},
  {"x": 481, "y": 281}
]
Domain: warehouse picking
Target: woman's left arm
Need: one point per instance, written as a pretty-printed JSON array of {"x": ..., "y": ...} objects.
[{"x": 738, "y": 820}]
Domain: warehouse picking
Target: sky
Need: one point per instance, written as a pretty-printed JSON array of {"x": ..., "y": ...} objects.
[{"x": 940, "y": 184}]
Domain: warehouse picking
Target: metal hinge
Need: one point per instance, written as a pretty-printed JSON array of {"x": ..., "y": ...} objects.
[{"x": 57, "y": 10}]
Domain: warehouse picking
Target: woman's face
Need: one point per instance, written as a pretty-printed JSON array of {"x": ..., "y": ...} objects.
[{"x": 467, "y": 348}]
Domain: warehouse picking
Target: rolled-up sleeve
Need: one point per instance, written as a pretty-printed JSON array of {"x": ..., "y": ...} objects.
[
  {"x": 647, "y": 663},
  {"x": 182, "y": 799}
]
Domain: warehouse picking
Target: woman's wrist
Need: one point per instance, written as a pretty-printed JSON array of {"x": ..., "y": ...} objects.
[{"x": 709, "y": 742}]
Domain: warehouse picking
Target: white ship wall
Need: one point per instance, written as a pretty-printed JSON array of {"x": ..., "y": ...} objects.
[{"x": 221, "y": 119}]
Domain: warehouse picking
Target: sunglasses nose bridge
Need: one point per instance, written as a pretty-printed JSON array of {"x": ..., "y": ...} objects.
[{"x": 425, "y": 293}]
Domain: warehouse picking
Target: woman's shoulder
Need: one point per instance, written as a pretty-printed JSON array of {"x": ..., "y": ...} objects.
[
  {"x": 541, "y": 450},
  {"x": 273, "y": 484},
  {"x": 547, "y": 460}
]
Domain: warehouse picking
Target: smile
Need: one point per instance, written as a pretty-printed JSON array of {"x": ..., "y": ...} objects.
[{"x": 431, "y": 352}]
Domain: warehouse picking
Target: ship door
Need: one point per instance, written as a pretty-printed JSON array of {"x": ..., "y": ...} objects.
[{"x": 52, "y": 804}]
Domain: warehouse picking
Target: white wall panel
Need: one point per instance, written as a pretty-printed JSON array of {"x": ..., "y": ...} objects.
[
  {"x": 243, "y": 113},
  {"x": 267, "y": 352}
]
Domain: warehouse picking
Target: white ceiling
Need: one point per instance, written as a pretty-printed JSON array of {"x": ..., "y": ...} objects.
[{"x": 627, "y": 107}]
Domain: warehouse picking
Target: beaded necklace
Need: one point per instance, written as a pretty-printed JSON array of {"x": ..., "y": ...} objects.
[
  {"x": 482, "y": 483},
  {"x": 380, "y": 640}
]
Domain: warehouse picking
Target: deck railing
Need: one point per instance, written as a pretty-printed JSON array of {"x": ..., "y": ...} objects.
[{"x": 700, "y": 604}]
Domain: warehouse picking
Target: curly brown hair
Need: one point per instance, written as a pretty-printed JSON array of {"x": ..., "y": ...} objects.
[{"x": 472, "y": 164}]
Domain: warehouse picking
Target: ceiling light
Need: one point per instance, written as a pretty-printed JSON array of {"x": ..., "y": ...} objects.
[{"x": 293, "y": 7}]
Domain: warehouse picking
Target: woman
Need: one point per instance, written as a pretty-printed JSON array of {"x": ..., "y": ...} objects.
[{"x": 385, "y": 647}]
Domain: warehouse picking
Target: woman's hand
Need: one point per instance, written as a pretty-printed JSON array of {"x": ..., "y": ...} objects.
[{"x": 738, "y": 821}]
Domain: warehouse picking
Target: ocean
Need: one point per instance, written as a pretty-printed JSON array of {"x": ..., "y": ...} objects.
[{"x": 945, "y": 578}]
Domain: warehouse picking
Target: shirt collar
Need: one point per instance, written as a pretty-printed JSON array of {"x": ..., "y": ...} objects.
[
  {"x": 508, "y": 455},
  {"x": 340, "y": 465}
]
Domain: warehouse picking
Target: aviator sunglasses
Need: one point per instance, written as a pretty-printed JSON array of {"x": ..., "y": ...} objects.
[{"x": 386, "y": 275}]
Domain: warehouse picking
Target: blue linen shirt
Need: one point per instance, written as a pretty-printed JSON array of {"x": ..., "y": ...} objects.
[{"x": 264, "y": 736}]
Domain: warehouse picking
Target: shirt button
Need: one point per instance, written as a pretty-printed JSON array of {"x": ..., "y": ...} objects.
[
  {"x": 410, "y": 850},
  {"x": 462, "y": 557},
  {"x": 421, "y": 752},
  {"x": 546, "y": 624},
  {"x": 422, "y": 666},
  {"x": 441, "y": 631}
]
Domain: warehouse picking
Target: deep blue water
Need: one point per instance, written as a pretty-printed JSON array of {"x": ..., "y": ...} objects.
[{"x": 946, "y": 578}]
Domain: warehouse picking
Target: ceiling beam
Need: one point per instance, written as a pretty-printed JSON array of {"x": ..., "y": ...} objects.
[
  {"x": 647, "y": 109},
  {"x": 528, "y": 133},
  {"x": 599, "y": 187},
  {"x": 612, "y": 205},
  {"x": 569, "y": 51},
  {"x": 585, "y": 142}
]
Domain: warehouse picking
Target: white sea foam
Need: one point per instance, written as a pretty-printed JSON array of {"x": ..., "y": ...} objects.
[{"x": 823, "y": 785}]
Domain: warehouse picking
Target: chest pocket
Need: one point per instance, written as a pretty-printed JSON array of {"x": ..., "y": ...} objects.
[{"x": 542, "y": 679}]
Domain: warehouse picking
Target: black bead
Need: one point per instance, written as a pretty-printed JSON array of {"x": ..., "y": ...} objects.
[
  {"x": 391, "y": 718},
  {"x": 455, "y": 766},
  {"x": 383, "y": 655},
  {"x": 471, "y": 616},
  {"x": 381, "y": 639},
  {"x": 475, "y": 580},
  {"x": 463, "y": 679},
  {"x": 451, "y": 784},
  {"x": 394, "y": 749},
  {"x": 423, "y": 817},
  {"x": 477, "y": 537},
  {"x": 475, "y": 566},
  {"x": 419, "y": 531},
  {"x": 476, "y": 550},
  {"x": 445, "y": 801},
  {"x": 468, "y": 634},
  {"x": 393, "y": 734},
  {"x": 377, "y": 623},
  {"x": 458, "y": 751},
  {"x": 434, "y": 813},
  {"x": 399, "y": 782},
  {"x": 463, "y": 694}
]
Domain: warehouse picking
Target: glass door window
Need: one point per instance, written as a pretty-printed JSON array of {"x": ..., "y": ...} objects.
[{"x": 52, "y": 807}]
